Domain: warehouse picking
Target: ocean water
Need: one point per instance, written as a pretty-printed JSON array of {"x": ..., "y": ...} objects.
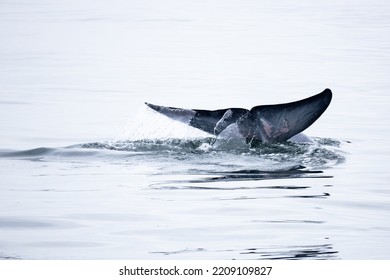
[{"x": 87, "y": 171}]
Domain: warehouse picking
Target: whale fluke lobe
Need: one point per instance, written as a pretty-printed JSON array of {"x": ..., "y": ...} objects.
[
  {"x": 213, "y": 122},
  {"x": 264, "y": 123},
  {"x": 277, "y": 123}
]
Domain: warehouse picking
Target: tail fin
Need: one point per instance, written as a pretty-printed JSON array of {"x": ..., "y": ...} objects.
[
  {"x": 212, "y": 122},
  {"x": 276, "y": 123}
]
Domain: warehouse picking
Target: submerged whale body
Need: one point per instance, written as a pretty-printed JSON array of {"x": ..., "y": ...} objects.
[{"x": 264, "y": 123}]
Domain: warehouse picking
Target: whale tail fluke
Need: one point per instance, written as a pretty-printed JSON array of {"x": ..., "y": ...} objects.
[{"x": 265, "y": 123}]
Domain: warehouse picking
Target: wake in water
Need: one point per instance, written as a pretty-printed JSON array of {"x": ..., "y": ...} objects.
[
  {"x": 322, "y": 153},
  {"x": 150, "y": 138}
]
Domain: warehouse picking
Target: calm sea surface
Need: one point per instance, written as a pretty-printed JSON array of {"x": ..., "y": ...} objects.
[{"x": 88, "y": 172}]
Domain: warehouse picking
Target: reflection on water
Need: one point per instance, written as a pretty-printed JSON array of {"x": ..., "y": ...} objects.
[
  {"x": 256, "y": 175},
  {"x": 6, "y": 257},
  {"x": 308, "y": 252}
]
